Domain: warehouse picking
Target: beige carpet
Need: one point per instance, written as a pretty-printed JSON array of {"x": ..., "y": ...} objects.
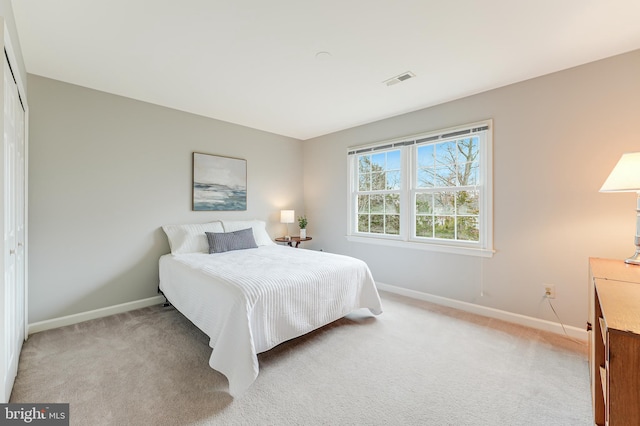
[{"x": 416, "y": 364}]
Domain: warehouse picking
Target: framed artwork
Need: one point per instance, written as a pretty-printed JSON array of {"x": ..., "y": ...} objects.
[{"x": 219, "y": 183}]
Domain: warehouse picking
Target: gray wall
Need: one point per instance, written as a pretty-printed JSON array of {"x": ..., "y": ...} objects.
[
  {"x": 556, "y": 138},
  {"x": 105, "y": 172}
]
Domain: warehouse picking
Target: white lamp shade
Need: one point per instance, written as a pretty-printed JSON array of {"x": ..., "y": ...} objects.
[
  {"x": 625, "y": 176},
  {"x": 287, "y": 216}
]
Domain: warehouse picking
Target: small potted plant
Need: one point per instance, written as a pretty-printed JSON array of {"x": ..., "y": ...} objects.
[{"x": 302, "y": 223}]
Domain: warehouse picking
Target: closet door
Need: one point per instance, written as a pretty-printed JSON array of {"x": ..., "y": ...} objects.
[
  {"x": 13, "y": 291},
  {"x": 21, "y": 219}
]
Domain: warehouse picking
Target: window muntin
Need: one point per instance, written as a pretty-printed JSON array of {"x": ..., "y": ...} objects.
[{"x": 432, "y": 191}]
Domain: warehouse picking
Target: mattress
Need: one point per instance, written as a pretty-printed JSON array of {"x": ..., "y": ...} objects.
[{"x": 249, "y": 301}]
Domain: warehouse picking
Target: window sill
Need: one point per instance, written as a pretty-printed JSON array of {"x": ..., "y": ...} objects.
[{"x": 466, "y": 251}]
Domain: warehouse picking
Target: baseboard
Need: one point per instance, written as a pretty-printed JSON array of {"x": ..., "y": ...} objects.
[
  {"x": 540, "y": 324},
  {"x": 97, "y": 313},
  {"x": 537, "y": 323}
]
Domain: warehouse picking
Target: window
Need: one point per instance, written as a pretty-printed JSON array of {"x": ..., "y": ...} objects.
[
  {"x": 430, "y": 191},
  {"x": 379, "y": 187}
]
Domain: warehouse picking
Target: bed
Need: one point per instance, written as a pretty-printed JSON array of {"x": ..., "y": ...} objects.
[{"x": 249, "y": 300}]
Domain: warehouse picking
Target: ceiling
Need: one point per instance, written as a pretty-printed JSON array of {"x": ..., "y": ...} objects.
[{"x": 256, "y": 62}]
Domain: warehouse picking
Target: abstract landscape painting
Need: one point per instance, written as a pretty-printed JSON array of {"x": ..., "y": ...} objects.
[{"x": 219, "y": 183}]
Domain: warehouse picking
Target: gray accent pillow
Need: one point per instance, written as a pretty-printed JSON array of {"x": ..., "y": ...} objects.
[{"x": 220, "y": 242}]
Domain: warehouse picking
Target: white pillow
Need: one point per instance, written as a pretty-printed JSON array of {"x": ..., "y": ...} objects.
[
  {"x": 258, "y": 226},
  {"x": 190, "y": 238}
]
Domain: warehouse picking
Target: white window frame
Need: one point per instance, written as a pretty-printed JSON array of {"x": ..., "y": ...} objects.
[{"x": 408, "y": 146}]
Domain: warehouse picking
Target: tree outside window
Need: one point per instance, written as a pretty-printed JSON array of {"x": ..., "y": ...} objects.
[
  {"x": 446, "y": 201},
  {"x": 379, "y": 184}
]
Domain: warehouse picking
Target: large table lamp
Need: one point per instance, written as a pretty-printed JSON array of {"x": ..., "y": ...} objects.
[
  {"x": 625, "y": 177},
  {"x": 287, "y": 216}
]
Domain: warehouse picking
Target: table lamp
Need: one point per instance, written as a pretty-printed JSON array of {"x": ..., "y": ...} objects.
[
  {"x": 287, "y": 216},
  {"x": 625, "y": 177}
]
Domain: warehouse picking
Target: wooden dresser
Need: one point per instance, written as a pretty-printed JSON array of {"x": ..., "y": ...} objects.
[{"x": 614, "y": 341}]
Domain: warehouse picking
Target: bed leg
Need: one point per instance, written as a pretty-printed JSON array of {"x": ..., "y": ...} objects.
[{"x": 166, "y": 301}]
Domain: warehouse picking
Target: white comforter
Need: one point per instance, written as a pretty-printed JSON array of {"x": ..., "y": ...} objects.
[{"x": 248, "y": 301}]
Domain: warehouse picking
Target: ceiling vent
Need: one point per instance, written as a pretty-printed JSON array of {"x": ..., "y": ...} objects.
[{"x": 399, "y": 78}]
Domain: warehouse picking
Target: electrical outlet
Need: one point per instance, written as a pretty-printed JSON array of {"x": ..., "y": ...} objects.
[{"x": 549, "y": 291}]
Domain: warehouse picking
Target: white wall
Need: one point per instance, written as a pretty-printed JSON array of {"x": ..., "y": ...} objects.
[
  {"x": 556, "y": 138},
  {"x": 106, "y": 172}
]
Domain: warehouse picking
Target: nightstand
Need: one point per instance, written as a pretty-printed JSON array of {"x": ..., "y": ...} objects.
[{"x": 296, "y": 240}]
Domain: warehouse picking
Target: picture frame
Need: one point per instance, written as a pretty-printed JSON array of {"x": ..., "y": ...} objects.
[{"x": 219, "y": 183}]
